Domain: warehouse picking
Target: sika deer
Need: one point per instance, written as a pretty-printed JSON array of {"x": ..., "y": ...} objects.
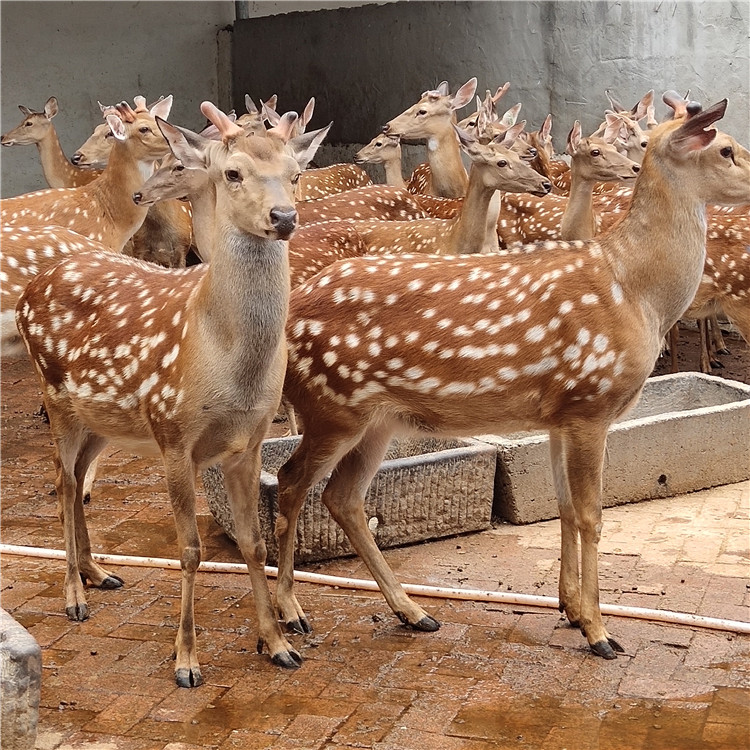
[
  {"x": 386, "y": 150},
  {"x": 185, "y": 363},
  {"x": 103, "y": 209},
  {"x": 432, "y": 117},
  {"x": 37, "y": 128},
  {"x": 441, "y": 346}
]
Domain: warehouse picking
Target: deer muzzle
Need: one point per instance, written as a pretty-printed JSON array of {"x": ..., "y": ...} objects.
[{"x": 284, "y": 221}]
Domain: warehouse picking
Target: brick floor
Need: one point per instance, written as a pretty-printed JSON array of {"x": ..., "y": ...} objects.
[{"x": 494, "y": 676}]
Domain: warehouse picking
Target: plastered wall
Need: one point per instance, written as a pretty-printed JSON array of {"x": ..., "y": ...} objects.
[
  {"x": 366, "y": 64},
  {"x": 84, "y": 52}
]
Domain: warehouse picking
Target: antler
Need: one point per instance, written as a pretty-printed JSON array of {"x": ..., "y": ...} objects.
[{"x": 227, "y": 129}]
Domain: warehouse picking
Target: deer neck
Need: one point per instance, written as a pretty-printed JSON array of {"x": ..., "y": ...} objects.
[
  {"x": 448, "y": 175},
  {"x": 578, "y": 220},
  {"x": 204, "y": 217},
  {"x": 58, "y": 171},
  {"x": 475, "y": 228},
  {"x": 241, "y": 309},
  {"x": 658, "y": 250},
  {"x": 393, "y": 174},
  {"x": 123, "y": 176}
]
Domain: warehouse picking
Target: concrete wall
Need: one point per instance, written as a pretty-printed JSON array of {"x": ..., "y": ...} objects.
[
  {"x": 559, "y": 57},
  {"x": 82, "y": 52}
]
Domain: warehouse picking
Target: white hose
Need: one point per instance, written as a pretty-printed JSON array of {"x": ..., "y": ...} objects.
[{"x": 439, "y": 592}]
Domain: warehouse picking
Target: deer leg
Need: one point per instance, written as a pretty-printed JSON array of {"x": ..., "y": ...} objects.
[
  {"x": 707, "y": 360},
  {"x": 584, "y": 458},
  {"x": 674, "y": 337},
  {"x": 569, "y": 585},
  {"x": 88, "y": 484},
  {"x": 718, "y": 340},
  {"x": 315, "y": 456},
  {"x": 89, "y": 569},
  {"x": 344, "y": 496},
  {"x": 180, "y": 473},
  {"x": 242, "y": 483},
  {"x": 68, "y": 439}
]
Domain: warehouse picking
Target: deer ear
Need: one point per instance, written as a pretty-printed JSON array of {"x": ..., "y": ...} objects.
[
  {"x": 250, "y": 105},
  {"x": 189, "y": 148},
  {"x": 303, "y": 147},
  {"x": 285, "y": 126},
  {"x": 117, "y": 126},
  {"x": 162, "y": 108},
  {"x": 511, "y": 134},
  {"x": 465, "y": 94},
  {"x": 545, "y": 132},
  {"x": 614, "y": 128},
  {"x": 270, "y": 114},
  {"x": 25, "y": 111},
  {"x": 50, "y": 108},
  {"x": 641, "y": 108},
  {"x": 574, "y": 138},
  {"x": 308, "y": 112},
  {"x": 510, "y": 117},
  {"x": 467, "y": 141}
]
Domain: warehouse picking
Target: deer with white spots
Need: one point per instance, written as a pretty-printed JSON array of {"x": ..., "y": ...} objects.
[
  {"x": 386, "y": 150},
  {"x": 102, "y": 210},
  {"x": 185, "y": 363},
  {"x": 494, "y": 167},
  {"x": 561, "y": 340},
  {"x": 38, "y": 129},
  {"x": 432, "y": 118}
]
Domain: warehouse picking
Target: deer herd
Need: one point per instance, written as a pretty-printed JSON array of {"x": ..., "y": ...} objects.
[{"x": 172, "y": 286}]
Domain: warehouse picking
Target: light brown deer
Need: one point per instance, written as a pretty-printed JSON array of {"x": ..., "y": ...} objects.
[
  {"x": 386, "y": 150},
  {"x": 187, "y": 363},
  {"x": 255, "y": 119},
  {"x": 432, "y": 118},
  {"x": 444, "y": 346},
  {"x": 494, "y": 167},
  {"x": 38, "y": 129},
  {"x": 102, "y": 210}
]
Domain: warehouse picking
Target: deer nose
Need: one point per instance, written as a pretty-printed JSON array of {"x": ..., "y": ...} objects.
[
  {"x": 137, "y": 198},
  {"x": 533, "y": 152},
  {"x": 387, "y": 127},
  {"x": 284, "y": 221},
  {"x": 76, "y": 158},
  {"x": 547, "y": 186},
  {"x": 636, "y": 168}
]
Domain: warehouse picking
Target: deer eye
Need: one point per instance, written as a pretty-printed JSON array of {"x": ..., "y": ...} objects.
[
  {"x": 109, "y": 134},
  {"x": 422, "y": 112},
  {"x": 29, "y": 124},
  {"x": 144, "y": 129},
  {"x": 233, "y": 175},
  {"x": 502, "y": 163},
  {"x": 644, "y": 144},
  {"x": 179, "y": 168},
  {"x": 727, "y": 152},
  {"x": 596, "y": 152},
  {"x": 296, "y": 177},
  {"x": 379, "y": 144}
]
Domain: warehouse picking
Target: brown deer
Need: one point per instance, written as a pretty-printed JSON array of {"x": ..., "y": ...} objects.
[
  {"x": 432, "y": 118},
  {"x": 37, "y": 128},
  {"x": 443, "y": 346},
  {"x": 255, "y": 119},
  {"x": 102, "y": 210},
  {"x": 386, "y": 150},
  {"x": 186, "y": 363}
]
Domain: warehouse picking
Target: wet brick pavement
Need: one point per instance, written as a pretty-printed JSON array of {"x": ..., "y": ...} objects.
[{"x": 494, "y": 676}]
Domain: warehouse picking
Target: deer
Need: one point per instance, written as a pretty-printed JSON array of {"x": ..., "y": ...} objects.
[
  {"x": 185, "y": 363},
  {"x": 38, "y": 129},
  {"x": 440, "y": 345},
  {"x": 494, "y": 167},
  {"x": 432, "y": 118},
  {"x": 103, "y": 209},
  {"x": 386, "y": 150},
  {"x": 255, "y": 119}
]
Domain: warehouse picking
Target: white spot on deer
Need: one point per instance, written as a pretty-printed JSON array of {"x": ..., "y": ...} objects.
[
  {"x": 600, "y": 343},
  {"x": 583, "y": 337},
  {"x": 617, "y": 294},
  {"x": 589, "y": 299},
  {"x": 374, "y": 349},
  {"x": 535, "y": 334},
  {"x": 391, "y": 341},
  {"x": 171, "y": 356},
  {"x": 544, "y": 365},
  {"x": 330, "y": 358},
  {"x": 507, "y": 373}
]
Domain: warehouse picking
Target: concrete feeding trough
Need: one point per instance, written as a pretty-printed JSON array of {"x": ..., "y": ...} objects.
[
  {"x": 687, "y": 432},
  {"x": 425, "y": 489}
]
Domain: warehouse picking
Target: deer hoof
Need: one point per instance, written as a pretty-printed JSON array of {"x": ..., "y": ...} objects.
[
  {"x": 300, "y": 626},
  {"x": 188, "y": 678},
  {"x": 287, "y": 659},
  {"x": 111, "y": 582},
  {"x": 427, "y": 624},
  {"x": 79, "y": 612},
  {"x": 87, "y": 498},
  {"x": 606, "y": 649}
]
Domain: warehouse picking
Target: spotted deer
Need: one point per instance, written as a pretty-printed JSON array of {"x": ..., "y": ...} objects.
[
  {"x": 561, "y": 340},
  {"x": 254, "y": 120},
  {"x": 102, "y": 210},
  {"x": 38, "y": 129},
  {"x": 432, "y": 118},
  {"x": 386, "y": 150},
  {"x": 184, "y": 363},
  {"x": 494, "y": 167}
]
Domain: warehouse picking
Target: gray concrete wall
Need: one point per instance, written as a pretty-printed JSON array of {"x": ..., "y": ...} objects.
[
  {"x": 559, "y": 57},
  {"x": 82, "y": 52}
]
